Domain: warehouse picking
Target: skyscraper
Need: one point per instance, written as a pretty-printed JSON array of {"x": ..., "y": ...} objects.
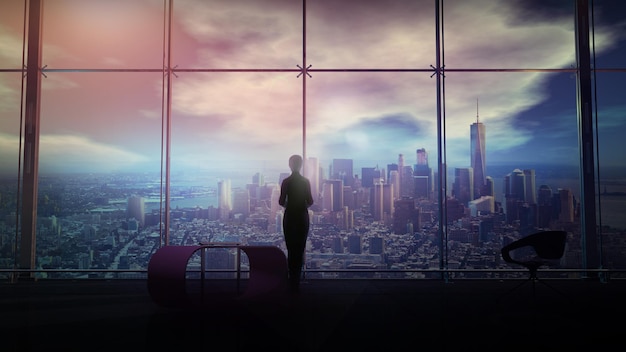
[
  {"x": 529, "y": 179},
  {"x": 407, "y": 185},
  {"x": 462, "y": 186},
  {"x": 422, "y": 170},
  {"x": 400, "y": 172},
  {"x": 388, "y": 199},
  {"x": 241, "y": 202},
  {"x": 312, "y": 172},
  {"x": 517, "y": 185},
  {"x": 275, "y": 208},
  {"x": 489, "y": 186},
  {"x": 327, "y": 196},
  {"x": 514, "y": 194},
  {"x": 544, "y": 206},
  {"x": 421, "y": 186},
  {"x": 368, "y": 175},
  {"x": 422, "y": 156},
  {"x": 224, "y": 199},
  {"x": 405, "y": 213},
  {"x": 136, "y": 209},
  {"x": 377, "y": 200},
  {"x": 394, "y": 179},
  {"x": 567, "y": 205},
  {"x": 258, "y": 179},
  {"x": 343, "y": 170},
  {"x": 390, "y": 169},
  {"x": 347, "y": 198},
  {"x": 477, "y": 150},
  {"x": 337, "y": 194}
]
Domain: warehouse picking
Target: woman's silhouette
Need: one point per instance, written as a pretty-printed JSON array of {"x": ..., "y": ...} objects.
[{"x": 296, "y": 198}]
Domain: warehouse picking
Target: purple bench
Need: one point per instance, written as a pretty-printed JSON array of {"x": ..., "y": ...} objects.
[{"x": 168, "y": 266}]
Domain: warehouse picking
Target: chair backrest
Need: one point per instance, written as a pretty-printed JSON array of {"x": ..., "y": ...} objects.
[{"x": 548, "y": 244}]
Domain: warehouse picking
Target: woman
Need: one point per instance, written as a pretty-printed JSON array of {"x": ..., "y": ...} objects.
[{"x": 296, "y": 198}]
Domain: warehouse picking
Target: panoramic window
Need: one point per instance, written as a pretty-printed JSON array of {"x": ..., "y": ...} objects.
[
  {"x": 11, "y": 48},
  {"x": 610, "y": 111},
  {"x": 433, "y": 133}
]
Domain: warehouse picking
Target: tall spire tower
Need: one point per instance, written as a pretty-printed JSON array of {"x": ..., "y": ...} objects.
[
  {"x": 477, "y": 152},
  {"x": 400, "y": 170}
]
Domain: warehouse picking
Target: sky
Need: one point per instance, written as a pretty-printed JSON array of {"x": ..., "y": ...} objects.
[{"x": 253, "y": 121}]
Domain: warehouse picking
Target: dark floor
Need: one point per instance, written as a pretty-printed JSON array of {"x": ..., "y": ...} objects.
[{"x": 328, "y": 315}]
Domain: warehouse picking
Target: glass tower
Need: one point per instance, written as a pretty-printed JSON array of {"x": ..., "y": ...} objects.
[{"x": 477, "y": 151}]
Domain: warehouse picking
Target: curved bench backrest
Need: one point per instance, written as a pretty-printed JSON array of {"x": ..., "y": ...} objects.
[{"x": 167, "y": 275}]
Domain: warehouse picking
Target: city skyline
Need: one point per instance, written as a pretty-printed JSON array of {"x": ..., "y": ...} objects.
[{"x": 247, "y": 120}]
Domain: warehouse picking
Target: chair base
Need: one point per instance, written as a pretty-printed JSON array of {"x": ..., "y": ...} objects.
[{"x": 533, "y": 280}]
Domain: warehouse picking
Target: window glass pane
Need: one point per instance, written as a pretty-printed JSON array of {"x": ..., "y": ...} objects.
[
  {"x": 232, "y": 136},
  {"x": 98, "y": 151},
  {"x": 101, "y": 163},
  {"x": 608, "y": 34},
  {"x": 509, "y": 34},
  {"x": 97, "y": 34},
  {"x": 9, "y": 164},
  {"x": 527, "y": 125},
  {"x": 610, "y": 110},
  {"x": 10, "y": 85},
  {"x": 364, "y": 131},
  {"x": 611, "y": 115},
  {"x": 237, "y": 34},
  {"x": 11, "y": 34},
  {"x": 372, "y": 34}
]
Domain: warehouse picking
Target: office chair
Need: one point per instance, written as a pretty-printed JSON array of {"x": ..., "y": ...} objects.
[{"x": 538, "y": 249}]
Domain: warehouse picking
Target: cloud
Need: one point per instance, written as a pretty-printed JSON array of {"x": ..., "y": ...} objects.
[
  {"x": 150, "y": 114},
  {"x": 239, "y": 108},
  {"x": 9, "y": 153},
  {"x": 8, "y": 97},
  {"x": 372, "y": 138},
  {"x": 612, "y": 117},
  {"x": 113, "y": 61},
  {"x": 10, "y": 49},
  {"x": 243, "y": 34},
  {"x": 340, "y": 106},
  {"x": 58, "y": 82},
  {"x": 501, "y": 34},
  {"x": 358, "y": 114},
  {"x": 70, "y": 153}
]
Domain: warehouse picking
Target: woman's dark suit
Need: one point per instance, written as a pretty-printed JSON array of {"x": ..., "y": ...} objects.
[{"x": 295, "y": 196}]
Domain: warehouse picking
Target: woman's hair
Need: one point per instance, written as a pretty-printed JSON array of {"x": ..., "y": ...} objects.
[{"x": 295, "y": 162}]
